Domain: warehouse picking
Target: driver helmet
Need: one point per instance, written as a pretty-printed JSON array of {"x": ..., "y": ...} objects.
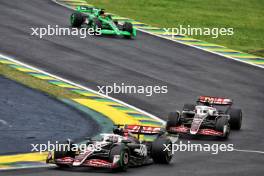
[
  {"x": 102, "y": 12},
  {"x": 118, "y": 131},
  {"x": 201, "y": 111},
  {"x": 208, "y": 103}
]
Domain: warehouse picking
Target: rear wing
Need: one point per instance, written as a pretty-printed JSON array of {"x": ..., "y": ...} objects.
[
  {"x": 138, "y": 129},
  {"x": 215, "y": 100}
]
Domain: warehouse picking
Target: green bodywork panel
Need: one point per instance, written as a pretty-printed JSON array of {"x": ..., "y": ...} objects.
[{"x": 109, "y": 27}]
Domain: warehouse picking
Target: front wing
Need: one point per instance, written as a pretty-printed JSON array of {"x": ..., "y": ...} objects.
[
  {"x": 98, "y": 163},
  {"x": 185, "y": 130}
]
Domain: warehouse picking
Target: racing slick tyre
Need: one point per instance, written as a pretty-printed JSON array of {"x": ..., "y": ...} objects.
[
  {"x": 123, "y": 152},
  {"x": 235, "y": 118},
  {"x": 159, "y": 152},
  {"x": 222, "y": 125},
  {"x": 173, "y": 120},
  {"x": 129, "y": 28},
  {"x": 77, "y": 19}
]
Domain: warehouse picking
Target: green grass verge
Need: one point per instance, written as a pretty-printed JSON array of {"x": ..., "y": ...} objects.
[
  {"x": 35, "y": 83},
  {"x": 246, "y": 17}
]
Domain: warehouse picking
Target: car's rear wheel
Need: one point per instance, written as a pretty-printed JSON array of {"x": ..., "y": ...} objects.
[
  {"x": 161, "y": 150},
  {"x": 129, "y": 28},
  {"x": 77, "y": 19},
  {"x": 123, "y": 152},
  {"x": 173, "y": 120},
  {"x": 222, "y": 125},
  {"x": 235, "y": 118}
]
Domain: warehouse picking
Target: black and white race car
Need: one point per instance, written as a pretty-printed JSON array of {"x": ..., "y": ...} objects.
[
  {"x": 118, "y": 150},
  {"x": 210, "y": 116}
]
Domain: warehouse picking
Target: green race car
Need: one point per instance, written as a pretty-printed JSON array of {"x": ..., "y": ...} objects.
[{"x": 96, "y": 19}]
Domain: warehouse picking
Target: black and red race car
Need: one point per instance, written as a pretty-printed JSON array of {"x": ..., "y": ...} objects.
[
  {"x": 118, "y": 150},
  {"x": 210, "y": 116}
]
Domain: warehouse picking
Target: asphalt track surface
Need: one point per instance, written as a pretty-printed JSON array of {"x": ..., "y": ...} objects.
[
  {"x": 30, "y": 117},
  {"x": 147, "y": 60}
]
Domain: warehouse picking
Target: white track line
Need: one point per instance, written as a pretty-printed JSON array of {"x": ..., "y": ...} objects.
[
  {"x": 28, "y": 167},
  {"x": 249, "y": 151},
  {"x": 83, "y": 87},
  {"x": 64, "y": 5},
  {"x": 121, "y": 102},
  {"x": 203, "y": 49},
  {"x": 78, "y": 85},
  {"x": 3, "y": 122}
]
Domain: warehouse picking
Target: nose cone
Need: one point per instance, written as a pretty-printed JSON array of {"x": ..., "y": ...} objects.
[{"x": 196, "y": 125}]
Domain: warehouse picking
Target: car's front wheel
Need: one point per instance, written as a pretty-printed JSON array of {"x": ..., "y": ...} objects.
[
  {"x": 222, "y": 125},
  {"x": 77, "y": 19},
  {"x": 121, "y": 152},
  {"x": 235, "y": 118},
  {"x": 161, "y": 150},
  {"x": 173, "y": 120}
]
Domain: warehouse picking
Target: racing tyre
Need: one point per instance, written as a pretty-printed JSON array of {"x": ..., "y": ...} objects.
[
  {"x": 124, "y": 157},
  {"x": 129, "y": 28},
  {"x": 159, "y": 153},
  {"x": 222, "y": 125},
  {"x": 173, "y": 120},
  {"x": 235, "y": 118},
  {"x": 77, "y": 19}
]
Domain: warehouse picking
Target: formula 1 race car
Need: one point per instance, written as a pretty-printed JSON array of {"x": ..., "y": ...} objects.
[
  {"x": 95, "y": 18},
  {"x": 118, "y": 150},
  {"x": 211, "y": 116}
]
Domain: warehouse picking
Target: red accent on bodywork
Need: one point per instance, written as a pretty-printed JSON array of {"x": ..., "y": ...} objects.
[
  {"x": 142, "y": 129},
  {"x": 208, "y": 132},
  {"x": 215, "y": 100},
  {"x": 99, "y": 163},
  {"x": 65, "y": 160}
]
